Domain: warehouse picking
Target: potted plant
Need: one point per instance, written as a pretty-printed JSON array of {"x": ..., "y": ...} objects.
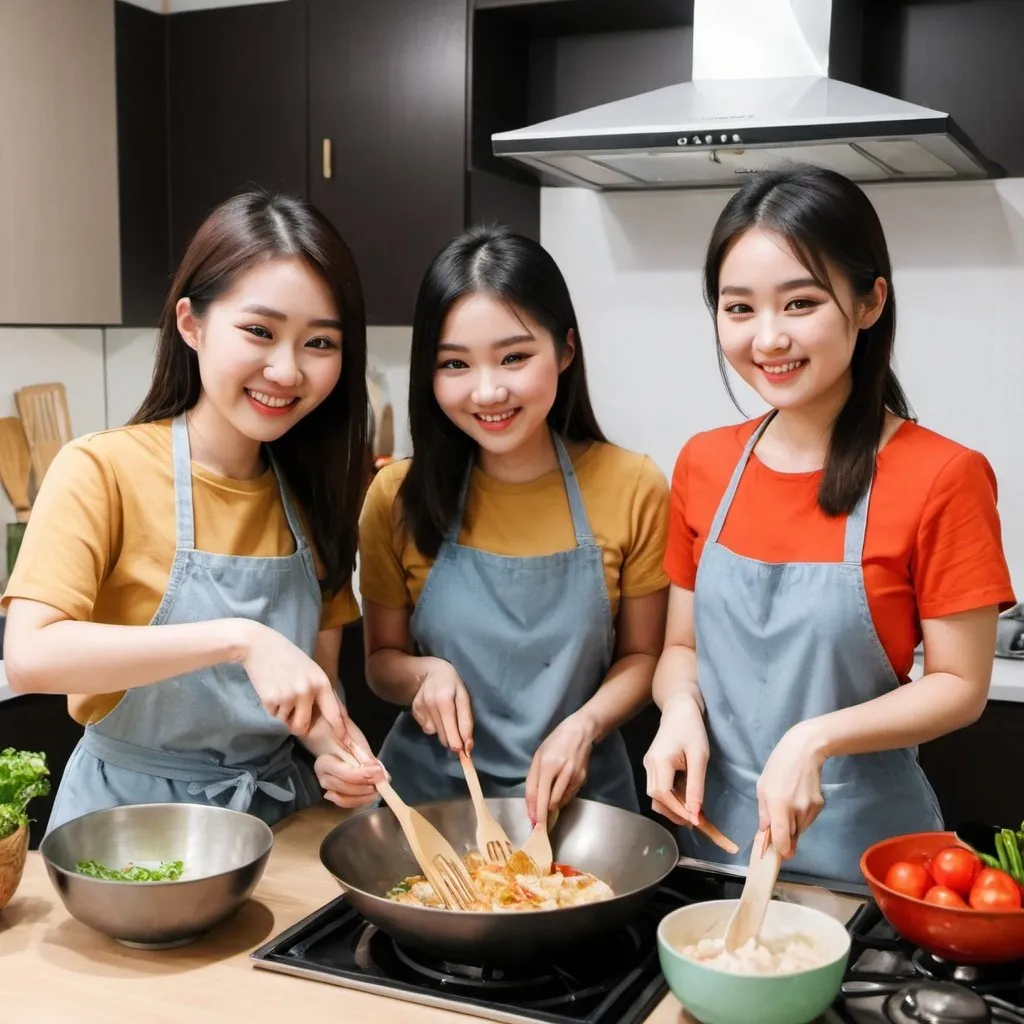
[{"x": 23, "y": 775}]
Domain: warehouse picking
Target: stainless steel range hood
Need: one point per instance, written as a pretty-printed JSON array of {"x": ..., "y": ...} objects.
[{"x": 760, "y": 98}]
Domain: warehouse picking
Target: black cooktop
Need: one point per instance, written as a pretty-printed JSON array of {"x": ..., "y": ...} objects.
[{"x": 616, "y": 979}]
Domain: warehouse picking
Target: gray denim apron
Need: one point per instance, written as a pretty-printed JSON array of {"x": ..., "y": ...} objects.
[
  {"x": 204, "y": 737},
  {"x": 532, "y": 638},
  {"x": 779, "y": 643}
]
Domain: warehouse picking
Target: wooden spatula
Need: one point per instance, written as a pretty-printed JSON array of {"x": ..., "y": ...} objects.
[
  {"x": 43, "y": 409},
  {"x": 15, "y": 467},
  {"x": 538, "y": 846},
  {"x": 491, "y": 840},
  {"x": 440, "y": 864},
  {"x": 762, "y": 875}
]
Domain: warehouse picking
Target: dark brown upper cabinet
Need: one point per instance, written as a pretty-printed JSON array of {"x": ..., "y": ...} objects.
[
  {"x": 237, "y": 107},
  {"x": 140, "y": 41},
  {"x": 387, "y": 136}
]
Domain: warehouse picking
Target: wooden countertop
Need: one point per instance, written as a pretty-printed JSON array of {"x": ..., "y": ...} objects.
[{"x": 55, "y": 970}]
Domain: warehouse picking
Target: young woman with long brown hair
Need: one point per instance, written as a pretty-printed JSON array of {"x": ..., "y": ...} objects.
[{"x": 185, "y": 578}]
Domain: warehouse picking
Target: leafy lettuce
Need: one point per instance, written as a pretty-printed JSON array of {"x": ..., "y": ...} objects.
[{"x": 23, "y": 775}]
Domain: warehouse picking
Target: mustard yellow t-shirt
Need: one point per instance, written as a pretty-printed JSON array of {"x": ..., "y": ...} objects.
[
  {"x": 626, "y": 498},
  {"x": 101, "y": 539}
]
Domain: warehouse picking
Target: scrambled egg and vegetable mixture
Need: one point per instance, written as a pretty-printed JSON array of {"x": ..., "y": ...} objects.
[{"x": 512, "y": 886}]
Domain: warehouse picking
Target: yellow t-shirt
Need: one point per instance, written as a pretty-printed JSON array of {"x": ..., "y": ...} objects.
[
  {"x": 626, "y": 498},
  {"x": 101, "y": 539}
]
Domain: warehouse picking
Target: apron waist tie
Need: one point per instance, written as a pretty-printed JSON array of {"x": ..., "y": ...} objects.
[{"x": 206, "y": 778}]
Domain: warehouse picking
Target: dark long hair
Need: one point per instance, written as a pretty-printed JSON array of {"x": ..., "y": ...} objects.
[
  {"x": 516, "y": 271},
  {"x": 324, "y": 457},
  {"x": 824, "y": 218}
]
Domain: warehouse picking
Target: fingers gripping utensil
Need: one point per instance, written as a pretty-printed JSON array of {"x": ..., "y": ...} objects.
[
  {"x": 440, "y": 864},
  {"x": 762, "y": 875},
  {"x": 538, "y": 845},
  {"x": 491, "y": 840}
]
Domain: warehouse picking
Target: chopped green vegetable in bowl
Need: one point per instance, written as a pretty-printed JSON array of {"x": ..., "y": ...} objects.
[
  {"x": 23, "y": 775},
  {"x": 167, "y": 871}
]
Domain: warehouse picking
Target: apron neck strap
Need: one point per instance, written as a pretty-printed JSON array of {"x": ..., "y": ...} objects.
[
  {"x": 734, "y": 481},
  {"x": 856, "y": 521},
  {"x": 184, "y": 515},
  {"x": 292, "y": 515},
  {"x": 856, "y": 527},
  {"x": 184, "y": 510},
  {"x": 580, "y": 522}
]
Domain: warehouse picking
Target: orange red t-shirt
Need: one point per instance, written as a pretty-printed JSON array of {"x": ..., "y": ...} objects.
[{"x": 933, "y": 544}]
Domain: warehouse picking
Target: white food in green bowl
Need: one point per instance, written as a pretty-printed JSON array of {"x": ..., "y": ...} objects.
[{"x": 791, "y": 977}]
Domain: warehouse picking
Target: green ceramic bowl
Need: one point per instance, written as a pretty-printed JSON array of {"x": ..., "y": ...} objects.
[{"x": 718, "y": 997}]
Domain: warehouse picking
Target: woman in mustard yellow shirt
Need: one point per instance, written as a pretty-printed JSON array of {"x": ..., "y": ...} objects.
[
  {"x": 513, "y": 591},
  {"x": 185, "y": 577}
]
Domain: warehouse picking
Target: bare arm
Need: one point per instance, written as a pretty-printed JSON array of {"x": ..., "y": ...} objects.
[
  {"x": 681, "y": 744},
  {"x": 676, "y": 674},
  {"x": 46, "y": 652},
  {"x": 393, "y": 672},
  {"x": 952, "y": 692},
  {"x": 429, "y": 687}
]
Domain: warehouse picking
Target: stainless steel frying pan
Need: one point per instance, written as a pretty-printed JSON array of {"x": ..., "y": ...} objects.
[{"x": 368, "y": 855}]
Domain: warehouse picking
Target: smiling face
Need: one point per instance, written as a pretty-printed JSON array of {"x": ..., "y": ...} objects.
[
  {"x": 496, "y": 373},
  {"x": 782, "y": 331},
  {"x": 269, "y": 349}
]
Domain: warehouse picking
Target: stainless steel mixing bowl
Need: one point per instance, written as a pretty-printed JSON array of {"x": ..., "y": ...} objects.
[
  {"x": 368, "y": 854},
  {"x": 224, "y": 854}
]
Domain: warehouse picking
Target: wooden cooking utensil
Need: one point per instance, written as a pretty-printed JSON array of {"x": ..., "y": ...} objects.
[
  {"x": 762, "y": 875},
  {"x": 15, "y": 465},
  {"x": 538, "y": 846},
  {"x": 491, "y": 840},
  {"x": 723, "y": 842},
  {"x": 440, "y": 864},
  {"x": 43, "y": 409}
]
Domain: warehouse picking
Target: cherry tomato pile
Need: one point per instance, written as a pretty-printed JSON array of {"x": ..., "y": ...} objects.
[{"x": 955, "y": 877}]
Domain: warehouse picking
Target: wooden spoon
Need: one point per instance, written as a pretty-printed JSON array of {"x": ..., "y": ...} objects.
[
  {"x": 15, "y": 465},
  {"x": 491, "y": 839},
  {"x": 762, "y": 875},
  {"x": 538, "y": 846},
  {"x": 441, "y": 865}
]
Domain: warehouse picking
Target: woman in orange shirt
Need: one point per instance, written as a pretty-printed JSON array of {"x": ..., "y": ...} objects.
[{"x": 812, "y": 549}]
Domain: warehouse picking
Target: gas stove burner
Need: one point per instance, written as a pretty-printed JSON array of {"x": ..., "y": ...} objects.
[
  {"x": 492, "y": 978},
  {"x": 936, "y": 1002},
  {"x": 967, "y": 974},
  {"x": 571, "y": 977}
]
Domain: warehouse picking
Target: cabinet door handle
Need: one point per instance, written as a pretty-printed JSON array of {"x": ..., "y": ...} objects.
[{"x": 325, "y": 158}]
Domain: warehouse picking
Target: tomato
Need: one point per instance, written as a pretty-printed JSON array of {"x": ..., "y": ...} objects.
[
  {"x": 942, "y": 896},
  {"x": 565, "y": 870},
  {"x": 956, "y": 869},
  {"x": 909, "y": 879},
  {"x": 994, "y": 890}
]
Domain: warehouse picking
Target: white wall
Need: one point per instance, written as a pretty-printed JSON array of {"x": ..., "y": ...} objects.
[{"x": 633, "y": 263}]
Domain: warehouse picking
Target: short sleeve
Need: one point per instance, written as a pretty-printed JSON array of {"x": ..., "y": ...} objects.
[
  {"x": 680, "y": 553},
  {"x": 381, "y": 572},
  {"x": 340, "y": 610},
  {"x": 642, "y": 571},
  {"x": 73, "y": 534},
  {"x": 958, "y": 561}
]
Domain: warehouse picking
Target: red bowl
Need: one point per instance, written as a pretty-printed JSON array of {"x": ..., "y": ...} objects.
[{"x": 964, "y": 936}]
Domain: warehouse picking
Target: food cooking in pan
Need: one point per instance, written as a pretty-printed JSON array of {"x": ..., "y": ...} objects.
[{"x": 516, "y": 885}]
